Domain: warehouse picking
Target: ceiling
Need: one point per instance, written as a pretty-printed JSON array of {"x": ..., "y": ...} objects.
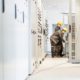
[{"x": 56, "y": 5}]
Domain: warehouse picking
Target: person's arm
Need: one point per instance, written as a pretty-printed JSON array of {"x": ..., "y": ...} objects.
[{"x": 61, "y": 37}]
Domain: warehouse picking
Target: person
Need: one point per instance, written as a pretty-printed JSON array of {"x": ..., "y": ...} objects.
[
  {"x": 56, "y": 40},
  {"x": 61, "y": 40}
]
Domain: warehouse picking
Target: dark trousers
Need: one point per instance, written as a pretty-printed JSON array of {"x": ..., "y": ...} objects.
[
  {"x": 56, "y": 50},
  {"x": 53, "y": 51}
]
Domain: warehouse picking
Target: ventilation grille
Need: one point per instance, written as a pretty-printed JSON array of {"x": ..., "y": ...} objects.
[
  {"x": 73, "y": 37},
  {"x": 73, "y": 28},
  {"x": 73, "y": 50}
]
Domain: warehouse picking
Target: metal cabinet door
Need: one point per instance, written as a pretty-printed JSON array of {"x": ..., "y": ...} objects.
[
  {"x": 33, "y": 36},
  {"x": 1, "y": 54}
]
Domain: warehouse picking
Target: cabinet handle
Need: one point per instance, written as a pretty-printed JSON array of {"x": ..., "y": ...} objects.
[
  {"x": 15, "y": 11},
  {"x": 3, "y": 6},
  {"x": 23, "y": 17}
]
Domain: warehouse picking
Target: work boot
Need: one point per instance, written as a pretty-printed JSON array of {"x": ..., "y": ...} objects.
[
  {"x": 61, "y": 55},
  {"x": 52, "y": 54}
]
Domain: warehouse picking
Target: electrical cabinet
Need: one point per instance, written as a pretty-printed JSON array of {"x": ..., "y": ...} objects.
[
  {"x": 36, "y": 34},
  {"x": 42, "y": 25},
  {"x": 21, "y": 38},
  {"x": 13, "y": 39},
  {"x": 74, "y": 38},
  {"x": 40, "y": 30},
  {"x": 45, "y": 36},
  {"x": 33, "y": 36},
  {"x": 1, "y": 55}
]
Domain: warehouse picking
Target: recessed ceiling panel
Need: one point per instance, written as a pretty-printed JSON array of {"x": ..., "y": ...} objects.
[{"x": 56, "y": 5}]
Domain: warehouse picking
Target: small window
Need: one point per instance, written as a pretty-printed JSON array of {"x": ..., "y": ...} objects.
[
  {"x": 3, "y": 6},
  {"x": 15, "y": 11}
]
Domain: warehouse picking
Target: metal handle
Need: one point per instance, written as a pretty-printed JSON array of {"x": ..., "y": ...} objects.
[{"x": 3, "y": 6}]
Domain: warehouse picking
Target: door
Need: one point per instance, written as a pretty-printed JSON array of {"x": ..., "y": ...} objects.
[{"x": 1, "y": 55}]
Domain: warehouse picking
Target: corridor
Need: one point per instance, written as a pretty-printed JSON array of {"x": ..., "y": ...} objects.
[
  {"x": 32, "y": 29},
  {"x": 56, "y": 69}
]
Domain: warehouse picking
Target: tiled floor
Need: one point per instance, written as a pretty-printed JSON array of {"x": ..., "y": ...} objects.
[{"x": 57, "y": 69}]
